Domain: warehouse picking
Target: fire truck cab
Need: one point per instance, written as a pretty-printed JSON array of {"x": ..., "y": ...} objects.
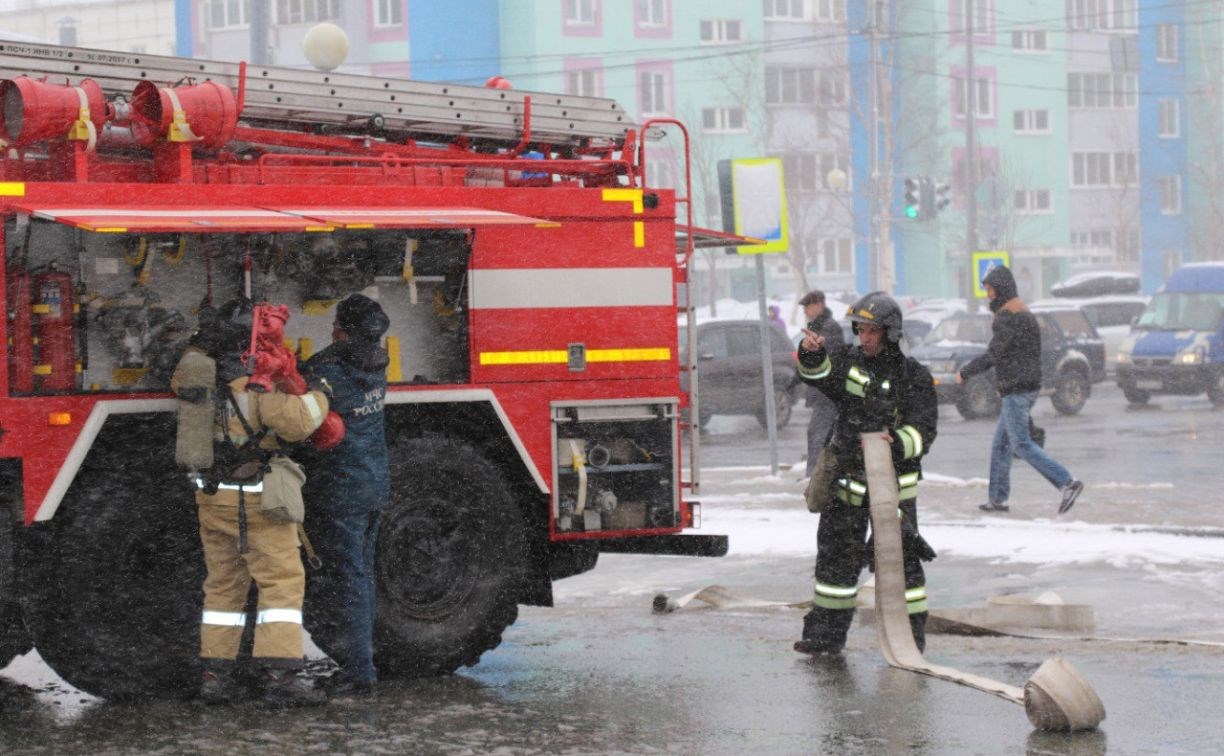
[{"x": 530, "y": 274}]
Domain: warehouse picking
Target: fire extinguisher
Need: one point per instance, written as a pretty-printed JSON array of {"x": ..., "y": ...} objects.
[
  {"x": 53, "y": 306},
  {"x": 21, "y": 334}
]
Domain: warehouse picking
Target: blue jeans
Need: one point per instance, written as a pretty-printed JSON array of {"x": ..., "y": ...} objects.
[
  {"x": 1012, "y": 434},
  {"x": 340, "y": 595}
]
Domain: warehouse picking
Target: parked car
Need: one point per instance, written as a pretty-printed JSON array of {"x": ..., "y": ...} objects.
[
  {"x": 1177, "y": 346},
  {"x": 1112, "y": 316},
  {"x": 1072, "y": 359},
  {"x": 1096, "y": 283},
  {"x": 729, "y": 374}
]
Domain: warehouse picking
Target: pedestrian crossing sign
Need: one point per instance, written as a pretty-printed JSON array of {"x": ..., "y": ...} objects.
[{"x": 982, "y": 263}]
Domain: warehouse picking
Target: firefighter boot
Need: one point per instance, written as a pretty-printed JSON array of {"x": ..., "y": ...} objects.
[
  {"x": 817, "y": 634},
  {"x": 220, "y": 684},
  {"x": 284, "y": 689},
  {"x": 918, "y": 626}
]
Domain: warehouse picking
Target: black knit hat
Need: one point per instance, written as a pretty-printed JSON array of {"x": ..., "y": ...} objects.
[{"x": 361, "y": 318}]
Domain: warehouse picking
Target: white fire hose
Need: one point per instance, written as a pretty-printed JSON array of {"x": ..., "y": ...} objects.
[{"x": 1056, "y": 697}]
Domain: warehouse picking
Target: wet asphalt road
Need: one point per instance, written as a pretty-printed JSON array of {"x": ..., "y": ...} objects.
[{"x": 600, "y": 673}]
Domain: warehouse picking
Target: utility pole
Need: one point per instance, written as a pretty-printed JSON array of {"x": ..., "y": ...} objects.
[
  {"x": 259, "y": 17},
  {"x": 971, "y": 152},
  {"x": 877, "y": 254}
]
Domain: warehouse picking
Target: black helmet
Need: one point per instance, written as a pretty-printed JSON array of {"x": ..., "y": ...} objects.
[
  {"x": 361, "y": 318},
  {"x": 879, "y": 309},
  {"x": 233, "y": 326}
]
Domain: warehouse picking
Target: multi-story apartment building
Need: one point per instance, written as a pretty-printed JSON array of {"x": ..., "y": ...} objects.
[{"x": 142, "y": 26}]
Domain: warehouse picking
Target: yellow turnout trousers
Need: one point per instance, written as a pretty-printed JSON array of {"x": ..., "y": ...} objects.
[{"x": 272, "y": 561}]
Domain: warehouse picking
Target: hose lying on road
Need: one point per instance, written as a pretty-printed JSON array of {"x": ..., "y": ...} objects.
[{"x": 1056, "y": 697}]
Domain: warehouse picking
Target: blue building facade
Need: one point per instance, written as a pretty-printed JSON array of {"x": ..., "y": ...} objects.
[{"x": 1163, "y": 140}]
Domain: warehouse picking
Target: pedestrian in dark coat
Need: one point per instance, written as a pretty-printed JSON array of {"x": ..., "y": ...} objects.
[
  {"x": 1015, "y": 354},
  {"x": 824, "y": 411},
  {"x": 346, "y": 492}
]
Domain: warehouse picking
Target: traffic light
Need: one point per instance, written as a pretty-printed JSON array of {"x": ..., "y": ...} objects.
[
  {"x": 913, "y": 197},
  {"x": 942, "y": 198}
]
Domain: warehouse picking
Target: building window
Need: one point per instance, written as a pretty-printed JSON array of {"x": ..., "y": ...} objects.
[
  {"x": 580, "y": 12},
  {"x": 1031, "y": 121},
  {"x": 1032, "y": 202},
  {"x": 388, "y": 13},
  {"x": 831, "y": 11},
  {"x": 982, "y": 16},
  {"x": 721, "y": 31},
  {"x": 809, "y": 171},
  {"x": 306, "y": 11},
  {"x": 722, "y": 119},
  {"x": 835, "y": 256},
  {"x": 1090, "y": 90},
  {"x": 652, "y": 13},
  {"x": 832, "y": 87},
  {"x": 1170, "y": 121},
  {"x": 652, "y": 92},
  {"x": 583, "y": 82},
  {"x": 790, "y": 86},
  {"x": 1170, "y": 195},
  {"x": 1166, "y": 43},
  {"x": 1102, "y": 15},
  {"x": 1103, "y": 169},
  {"x": 983, "y": 98},
  {"x": 1031, "y": 40},
  {"x": 227, "y": 14},
  {"x": 784, "y": 10}
]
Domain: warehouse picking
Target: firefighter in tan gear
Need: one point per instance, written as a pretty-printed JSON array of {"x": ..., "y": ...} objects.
[{"x": 240, "y": 543}]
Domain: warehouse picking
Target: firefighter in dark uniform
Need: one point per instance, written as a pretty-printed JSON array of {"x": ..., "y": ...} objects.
[
  {"x": 346, "y": 492},
  {"x": 876, "y": 389},
  {"x": 240, "y": 543}
]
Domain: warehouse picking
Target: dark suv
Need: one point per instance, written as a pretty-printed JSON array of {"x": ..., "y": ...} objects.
[
  {"x": 1072, "y": 359},
  {"x": 729, "y": 375}
]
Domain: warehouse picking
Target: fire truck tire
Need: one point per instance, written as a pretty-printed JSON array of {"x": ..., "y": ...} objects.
[
  {"x": 451, "y": 555},
  {"x": 112, "y": 594},
  {"x": 13, "y": 637}
]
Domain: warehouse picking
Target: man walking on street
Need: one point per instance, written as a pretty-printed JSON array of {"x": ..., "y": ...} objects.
[
  {"x": 824, "y": 411},
  {"x": 1015, "y": 354}
]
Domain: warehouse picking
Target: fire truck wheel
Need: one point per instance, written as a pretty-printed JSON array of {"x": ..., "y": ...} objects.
[
  {"x": 451, "y": 553},
  {"x": 111, "y": 587},
  {"x": 13, "y": 638}
]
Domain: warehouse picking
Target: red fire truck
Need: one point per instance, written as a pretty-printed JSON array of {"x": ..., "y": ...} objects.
[{"x": 534, "y": 283}]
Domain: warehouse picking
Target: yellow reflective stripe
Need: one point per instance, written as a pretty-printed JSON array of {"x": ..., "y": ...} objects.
[
  {"x": 914, "y": 594},
  {"x": 633, "y": 196},
  {"x": 820, "y": 371},
  {"x": 911, "y": 441},
  {"x": 629, "y": 355},
  {"x": 561, "y": 357},
  {"x": 858, "y": 376},
  {"x": 916, "y": 600},
  {"x": 908, "y": 479},
  {"x": 12, "y": 188},
  {"x": 837, "y": 591}
]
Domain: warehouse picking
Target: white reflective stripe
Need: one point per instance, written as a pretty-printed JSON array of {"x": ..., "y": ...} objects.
[
  {"x": 818, "y": 372},
  {"x": 534, "y": 288},
  {"x": 915, "y": 594},
  {"x": 915, "y": 439},
  {"x": 858, "y": 376},
  {"x": 312, "y": 406},
  {"x": 224, "y": 619},
  {"x": 836, "y": 590},
  {"x": 279, "y": 615},
  {"x": 248, "y": 487},
  {"x": 907, "y": 479}
]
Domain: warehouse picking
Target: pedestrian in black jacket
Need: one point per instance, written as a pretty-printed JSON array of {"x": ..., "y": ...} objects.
[
  {"x": 824, "y": 411},
  {"x": 876, "y": 389},
  {"x": 1015, "y": 354}
]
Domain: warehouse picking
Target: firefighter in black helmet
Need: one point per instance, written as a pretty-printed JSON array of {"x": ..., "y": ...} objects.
[{"x": 876, "y": 389}]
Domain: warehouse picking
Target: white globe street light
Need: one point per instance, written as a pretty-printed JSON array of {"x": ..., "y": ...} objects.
[
  {"x": 835, "y": 179},
  {"x": 326, "y": 46}
]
